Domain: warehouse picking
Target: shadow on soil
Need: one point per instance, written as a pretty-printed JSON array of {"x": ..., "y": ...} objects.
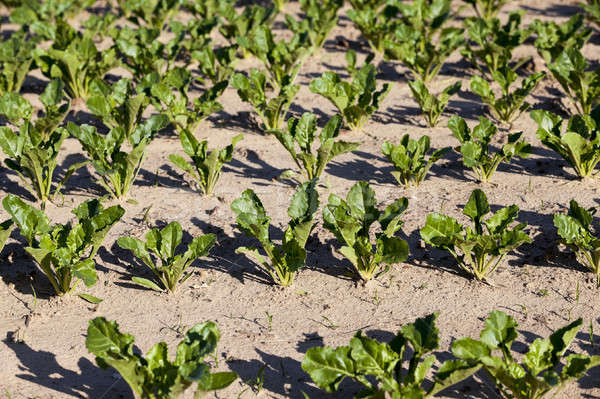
[
  {"x": 253, "y": 168},
  {"x": 361, "y": 169},
  {"x": 284, "y": 376},
  {"x": 41, "y": 367},
  {"x": 224, "y": 259}
]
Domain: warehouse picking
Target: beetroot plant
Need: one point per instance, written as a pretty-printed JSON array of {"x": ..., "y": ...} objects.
[
  {"x": 117, "y": 169},
  {"x": 510, "y": 104},
  {"x": 155, "y": 376},
  {"x": 582, "y": 86},
  {"x": 64, "y": 252},
  {"x": 350, "y": 221},
  {"x": 285, "y": 259},
  {"x": 579, "y": 144},
  {"x": 420, "y": 41},
  {"x": 381, "y": 367},
  {"x": 118, "y": 105},
  {"x": 432, "y": 106},
  {"x": 32, "y": 147},
  {"x": 409, "y": 159},
  {"x": 282, "y": 59},
  {"x": 477, "y": 251},
  {"x": 539, "y": 372},
  {"x": 301, "y": 134},
  {"x": 253, "y": 90},
  {"x": 575, "y": 231},
  {"x": 552, "y": 38},
  {"x": 475, "y": 146},
  {"x": 206, "y": 165},
  {"x": 162, "y": 244},
  {"x": 356, "y": 100}
]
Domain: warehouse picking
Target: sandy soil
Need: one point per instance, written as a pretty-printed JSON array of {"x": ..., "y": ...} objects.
[{"x": 540, "y": 285}]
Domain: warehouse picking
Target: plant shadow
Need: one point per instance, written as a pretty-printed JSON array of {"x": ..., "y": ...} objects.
[
  {"x": 253, "y": 168},
  {"x": 224, "y": 259},
  {"x": 24, "y": 273},
  {"x": 282, "y": 376},
  {"x": 243, "y": 121},
  {"x": 42, "y": 368}
]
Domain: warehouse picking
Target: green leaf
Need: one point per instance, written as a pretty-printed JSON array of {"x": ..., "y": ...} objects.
[
  {"x": 470, "y": 349},
  {"x": 328, "y": 367},
  {"x": 86, "y": 271},
  {"x": 452, "y": 372},
  {"x": 477, "y": 207},
  {"x": 440, "y": 230},
  {"x": 90, "y": 298},
  {"x": 500, "y": 330},
  {"x": 216, "y": 381},
  {"x": 6, "y": 229},
  {"x": 423, "y": 335},
  {"x": 31, "y": 222},
  {"x": 147, "y": 283},
  {"x": 561, "y": 339},
  {"x": 371, "y": 357},
  {"x": 113, "y": 349}
]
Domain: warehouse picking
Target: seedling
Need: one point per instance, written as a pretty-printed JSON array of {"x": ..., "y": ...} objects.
[
  {"x": 281, "y": 59},
  {"x": 592, "y": 9},
  {"x": 420, "y": 40},
  {"x": 117, "y": 169},
  {"x": 32, "y": 152},
  {"x": 236, "y": 25},
  {"x": 117, "y": 105},
  {"x": 16, "y": 57},
  {"x": 409, "y": 159},
  {"x": 290, "y": 256},
  {"x": 487, "y": 9},
  {"x": 357, "y": 100},
  {"x": 162, "y": 244},
  {"x": 269, "y": 320},
  {"x": 141, "y": 50},
  {"x": 301, "y": 133},
  {"x": 579, "y": 145},
  {"x": 149, "y": 13},
  {"x": 171, "y": 97},
  {"x": 97, "y": 27},
  {"x": 511, "y": 103},
  {"x": 378, "y": 366},
  {"x": 538, "y": 373},
  {"x": 552, "y": 38},
  {"x": 78, "y": 64},
  {"x": 205, "y": 166},
  {"x": 478, "y": 253},
  {"x": 475, "y": 143},
  {"x": 64, "y": 252},
  {"x": 432, "y": 106},
  {"x": 490, "y": 44},
  {"x": 330, "y": 324},
  {"x": 320, "y": 18},
  {"x": 575, "y": 231},
  {"x": 580, "y": 85},
  {"x": 376, "y": 23},
  {"x": 33, "y": 13},
  {"x": 253, "y": 90},
  {"x": 155, "y": 376},
  {"x": 350, "y": 221},
  {"x": 216, "y": 64}
]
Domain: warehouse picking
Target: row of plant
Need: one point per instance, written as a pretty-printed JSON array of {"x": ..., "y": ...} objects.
[
  {"x": 421, "y": 35},
  {"x": 65, "y": 252},
  {"x": 32, "y": 146},
  {"x": 398, "y": 369}
]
